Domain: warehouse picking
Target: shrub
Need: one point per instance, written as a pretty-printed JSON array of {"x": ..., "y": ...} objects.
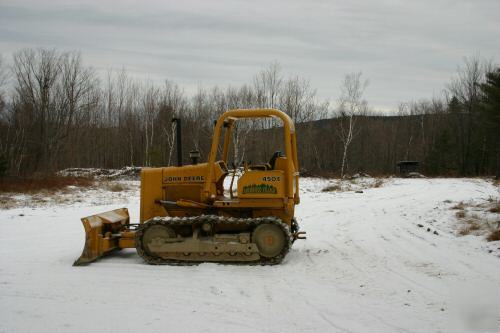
[
  {"x": 471, "y": 227},
  {"x": 494, "y": 236},
  {"x": 378, "y": 183}
]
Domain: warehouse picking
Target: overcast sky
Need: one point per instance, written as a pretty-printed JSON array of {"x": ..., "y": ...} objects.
[{"x": 407, "y": 49}]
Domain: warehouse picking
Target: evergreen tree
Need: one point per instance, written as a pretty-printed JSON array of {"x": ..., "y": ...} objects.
[
  {"x": 440, "y": 160},
  {"x": 491, "y": 115}
]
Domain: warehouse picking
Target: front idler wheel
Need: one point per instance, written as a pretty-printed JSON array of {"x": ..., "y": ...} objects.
[{"x": 270, "y": 239}]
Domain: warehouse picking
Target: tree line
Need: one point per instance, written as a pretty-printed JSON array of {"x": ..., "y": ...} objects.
[{"x": 56, "y": 112}]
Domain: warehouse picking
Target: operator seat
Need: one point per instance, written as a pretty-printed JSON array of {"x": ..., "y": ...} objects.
[{"x": 272, "y": 161}]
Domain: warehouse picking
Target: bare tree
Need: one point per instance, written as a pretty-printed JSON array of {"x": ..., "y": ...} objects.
[
  {"x": 267, "y": 86},
  {"x": 76, "y": 95},
  {"x": 3, "y": 79},
  {"x": 297, "y": 99},
  {"x": 59, "y": 114},
  {"x": 4, "y": 146},
  {"x": 465, "y": 87},
  {"x": 150, "y": 107},
  {"x": 3, "y": 74},
  {"x": 351, "y": 104},
  {"x": 36, "y": 74},
  {"x": 173, "y": 104},
  {"x": 240, "y": 98}
]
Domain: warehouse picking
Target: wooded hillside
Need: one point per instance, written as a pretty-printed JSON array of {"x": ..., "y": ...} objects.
[{"x": 56, "y": 112}]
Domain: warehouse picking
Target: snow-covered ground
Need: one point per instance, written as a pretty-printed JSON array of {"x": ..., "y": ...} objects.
[{"x": 386, "y": 260}]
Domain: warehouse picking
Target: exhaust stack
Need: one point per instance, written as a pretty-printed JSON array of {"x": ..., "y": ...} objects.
[{"x": 178, "y": 139}]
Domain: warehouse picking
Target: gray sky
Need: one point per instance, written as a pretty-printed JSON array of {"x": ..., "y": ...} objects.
[{"x": 407, "y": 49}]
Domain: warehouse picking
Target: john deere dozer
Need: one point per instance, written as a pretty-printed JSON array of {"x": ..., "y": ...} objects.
[{"x": 186, "y": 215}]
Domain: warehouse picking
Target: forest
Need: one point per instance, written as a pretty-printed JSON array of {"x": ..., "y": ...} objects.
[{"x": 56, "y": 112}]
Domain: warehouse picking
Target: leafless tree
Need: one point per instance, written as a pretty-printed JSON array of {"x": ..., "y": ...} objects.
[
  {"x": 3, "y": 81},
  {"x": 76, "y": 96},
  {"x": 59, "y": 113},
  {"x": 174, "y": 104},
  {"x": 150, "y": 107},
  {"x": 267, "y": 86},
  {"x": 3, "y": 73},
  {"x": 297, "y": 99},
  {"x": 351, "y": 104},
  {"x": 465, "y": 87},
  {"x": 36, "y": 73}
]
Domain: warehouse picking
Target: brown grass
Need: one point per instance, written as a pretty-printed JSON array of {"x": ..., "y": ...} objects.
[
  {"x": 494, "y": 236},
  {"x": 332, "y": 188},
  {"x": 50, "y": 183},
  {"x": 459, "y": 205},
  {"x": 6, "y": 202},
  {"x": 474, "y": 226},
  {"x": 116, "y": 187},
  {"x": 495, "y": 208},
  {"x": 378, "y": 183},
  {"x": 464, "y": 231},
  {"x": 460, "y": 214},
  {"x": 471, "y": 227}
]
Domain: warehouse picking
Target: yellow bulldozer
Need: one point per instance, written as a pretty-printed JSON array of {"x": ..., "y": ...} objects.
[{"x": 188, "y": 217}]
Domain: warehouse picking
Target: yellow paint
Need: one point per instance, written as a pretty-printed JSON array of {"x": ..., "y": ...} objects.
[
  {"x": 198, "y": 189},
  {"x": 203, "y": 183}
]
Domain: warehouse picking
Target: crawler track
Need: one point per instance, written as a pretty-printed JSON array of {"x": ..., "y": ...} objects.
[{"x": 215, "y": 220}]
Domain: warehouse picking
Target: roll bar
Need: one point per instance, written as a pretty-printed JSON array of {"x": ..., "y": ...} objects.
[{"x": 289, "y": 136}]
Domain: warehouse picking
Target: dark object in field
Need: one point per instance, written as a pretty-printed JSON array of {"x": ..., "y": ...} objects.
[{"x": 408, "y": 168}]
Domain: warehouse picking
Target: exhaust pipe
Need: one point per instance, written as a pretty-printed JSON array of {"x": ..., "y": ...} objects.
[{"x": 178, "y": 139}]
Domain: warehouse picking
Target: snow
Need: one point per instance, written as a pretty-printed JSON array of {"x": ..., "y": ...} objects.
[
  {"x": 99, "y": 194},
  {"x": 129, "y": 173},
  {"x": 366, "y": 266}
]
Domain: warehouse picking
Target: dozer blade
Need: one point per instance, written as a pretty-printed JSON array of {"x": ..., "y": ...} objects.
[{"x": 102, "y": 234}]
